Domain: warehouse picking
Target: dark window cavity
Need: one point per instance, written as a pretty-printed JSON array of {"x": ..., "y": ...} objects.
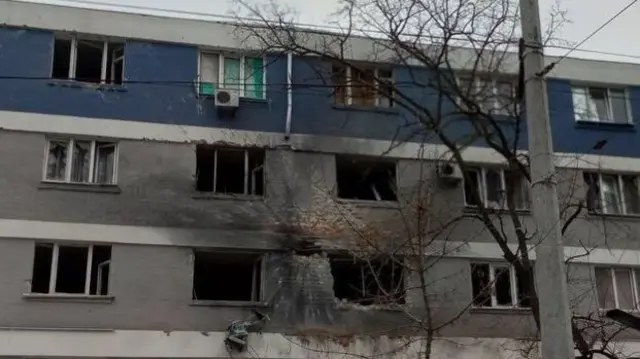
[{"x": 363, "y": 178}]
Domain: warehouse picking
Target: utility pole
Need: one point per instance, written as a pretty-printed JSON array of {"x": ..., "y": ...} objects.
[{"x": 555, "y": 315}]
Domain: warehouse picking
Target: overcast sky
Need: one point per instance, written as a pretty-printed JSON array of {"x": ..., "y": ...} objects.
[{"x": 585, "y": 15}]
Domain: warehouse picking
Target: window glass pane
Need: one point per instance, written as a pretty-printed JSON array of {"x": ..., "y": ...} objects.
[
  {"x": 580, "y": 105},
  {"x": 631, "y": 194},
  {"x": 485, "y": 96},
  {"x": 363, "y": 87},
  {"x": 520, "y": 191},
  {"x": 480, "y": 282},
  {"x": 637, "y": 295},
  {"x": 471, "y": 185},
  {"x": 611, "y": 192},
  {"x": 504, "y": 97},
  {"x": 598, "y": 103},
  {"x": 493, "y": 181},
  {"x": 104, "y": 160},
  {"x": 619, "y": 105},
  {"x": 232, "y": 73},
  {"x": 604, "y": 285},
  {"x": 624, "y": 289},
  {"x": 208, "y": 73},
  {"x": 593, "y": 192},
  {"x": 503, "y": 286},
  {"x": 57, "y": 160},
  {"x": 81, "y": 158},
  {"x": 522, "y": 286},
  {"x": 254, "y": 76}
]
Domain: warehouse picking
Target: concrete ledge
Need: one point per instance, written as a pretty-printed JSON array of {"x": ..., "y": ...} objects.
[
  {"x": 81, "y": 298},
  {"x": 79, "y": 187},
  {"x": 67, "y": 343},
  {"x": 145, "y": 131}
]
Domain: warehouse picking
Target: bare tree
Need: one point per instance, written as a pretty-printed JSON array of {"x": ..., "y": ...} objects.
[{"x": 458, "y": 53}]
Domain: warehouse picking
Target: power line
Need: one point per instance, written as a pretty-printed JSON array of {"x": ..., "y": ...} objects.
[
  {"x": 606, "y": 23},
  {"x": 336, "y": 28}
]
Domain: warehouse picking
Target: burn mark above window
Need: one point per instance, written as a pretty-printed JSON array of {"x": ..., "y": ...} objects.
[
  {"x": 230, "y": 170},
  {"x": 363, "y": 178},
  {"x": 367, "y": 282},
  {"x": 227, "y": 276}
]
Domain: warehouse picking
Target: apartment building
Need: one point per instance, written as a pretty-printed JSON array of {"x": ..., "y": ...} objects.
[{"x": 138, "y": 220}]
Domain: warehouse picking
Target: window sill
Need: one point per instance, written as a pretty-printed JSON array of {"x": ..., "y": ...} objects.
[
  {"x": 228, "y": 303},
  {"x": 473, "y": 209},
  {"x": 497, "y": 310},
  {"x": 369, "y": 203},
  {"x": 607, "y": 126},
  {"x": 81, "y": 298},
  {"x": 79, "y": 187},
  {"x": 226, "y": 197},
  {"x": 87, "y": 85},
  {"x": 346, "y": 305},
  {"x": 383, "y": 110},
  {"x": 613, "y": 216},
  {"x": 242, "y": 99}
]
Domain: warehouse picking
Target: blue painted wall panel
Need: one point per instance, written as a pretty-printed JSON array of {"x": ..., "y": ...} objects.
[
  {"x": 159, "y": 89},
  {"x": 159, "y": 86},
  {"x": 572, "y": 137}
]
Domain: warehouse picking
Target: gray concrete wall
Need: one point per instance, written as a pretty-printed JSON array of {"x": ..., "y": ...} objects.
[{"x": 152, "y": 284}]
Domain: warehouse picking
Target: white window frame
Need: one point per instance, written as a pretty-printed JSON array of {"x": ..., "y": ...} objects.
[
  {"x": 68, "y": 169},
  {"x": 220, "y": 84},
  {"x": 623, "y": 203},
  {"x": 634, "y": 287},
  {"x": 479, "y": 82},
  {"x": 492, "y": 282},
  {"x": 249, "y": 175},
  {"x": 53, "y": 275},
  {"x": 376, "y": 83},
  {"x": 483, "y": 190},
  {"x": 596, "y": 118},
  {"x": 73, "y": 58}
]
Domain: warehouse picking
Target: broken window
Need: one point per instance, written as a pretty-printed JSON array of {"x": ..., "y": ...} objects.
[
  {"x": 90, "y": 161},
  {"x": 364, "y": 178},
  {"x": 368, "y": 87},
  {"x": 94, "y": 61},
  {"x": 612, "y": 194},
  {"x": 490, "y": 185},
  {"x": 227, "y": 276},
  {"x": 242, "y": 73},
  {"x": 230, "y": 170},
  {"x": 71, "y": 269},
  {"x": 497, "y": 285},
  {"x": 367, "y": 282}
]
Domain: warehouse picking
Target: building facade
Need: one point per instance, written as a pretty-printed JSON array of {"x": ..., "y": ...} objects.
[{"x": 138, "y": 221}]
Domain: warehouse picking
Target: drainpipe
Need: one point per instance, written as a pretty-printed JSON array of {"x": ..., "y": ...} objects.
[{"x": 287, "y": 130}]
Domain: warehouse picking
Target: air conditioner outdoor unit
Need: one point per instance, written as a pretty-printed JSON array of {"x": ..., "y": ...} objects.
[
  {"x": 227, "y": 98},
  {"x": 449, "y": 172}
]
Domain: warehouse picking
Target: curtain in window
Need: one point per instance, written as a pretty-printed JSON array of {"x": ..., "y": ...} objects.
[
  {"x": 57, "y": 160},
  {"x": 80, "y": 162},
  {"x": 611, "y": 193},
  {"x": 232, "y": 73},
  {"x": 254, "y": 76},
  {"x": 604, "y": 285},
  {"x": 104, "y": 163}
]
